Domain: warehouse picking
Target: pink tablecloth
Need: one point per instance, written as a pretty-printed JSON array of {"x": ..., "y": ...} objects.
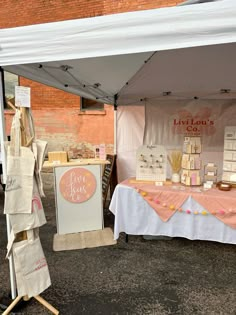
[{"x": 166, "y": 200}]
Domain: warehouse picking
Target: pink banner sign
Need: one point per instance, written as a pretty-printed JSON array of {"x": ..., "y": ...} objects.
[{"x": 77, "y": 185}]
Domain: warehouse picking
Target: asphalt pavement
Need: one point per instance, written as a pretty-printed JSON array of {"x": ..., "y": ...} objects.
[{"x": 175, "y": 276}]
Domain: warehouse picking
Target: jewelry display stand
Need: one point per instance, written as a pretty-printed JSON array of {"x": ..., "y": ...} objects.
[{"x": 151, "y": 161}]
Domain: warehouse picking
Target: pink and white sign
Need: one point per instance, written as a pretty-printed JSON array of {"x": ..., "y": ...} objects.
[{"x": 77, "y": 185}]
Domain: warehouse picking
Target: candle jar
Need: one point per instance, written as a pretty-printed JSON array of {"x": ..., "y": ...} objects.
[{"x": 175, "y": 178}]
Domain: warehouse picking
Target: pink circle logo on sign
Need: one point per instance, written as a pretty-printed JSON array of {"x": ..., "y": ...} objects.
[{"x": 77, "y": 185}]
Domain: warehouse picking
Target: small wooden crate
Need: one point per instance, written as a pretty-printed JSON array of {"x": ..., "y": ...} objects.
[{"x": 58, "y": 156}]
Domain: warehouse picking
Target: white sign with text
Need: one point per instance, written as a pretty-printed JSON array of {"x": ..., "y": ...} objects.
[{"x": 22, "y": 96}]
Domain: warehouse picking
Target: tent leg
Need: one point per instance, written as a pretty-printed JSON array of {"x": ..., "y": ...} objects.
[{"x": 115, "y": 126}]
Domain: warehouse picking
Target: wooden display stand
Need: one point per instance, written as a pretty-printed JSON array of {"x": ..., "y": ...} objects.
[
  {"x": 23, "y": 235},
  {"x": 191, "y": 162},
  {"x": 151, "y": 163},
  {"x": 210, "y": 173},
  {"x": 229, "y": 163}
]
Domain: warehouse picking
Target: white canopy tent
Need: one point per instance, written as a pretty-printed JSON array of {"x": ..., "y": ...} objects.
[
  {"x": 133, "y": 55},
  {"x": 125, "y": 58}
]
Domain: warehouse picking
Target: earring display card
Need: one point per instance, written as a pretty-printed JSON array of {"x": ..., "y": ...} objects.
[
  {"x": 229, "y": 163},
  {"x": 151, "y": 162}
]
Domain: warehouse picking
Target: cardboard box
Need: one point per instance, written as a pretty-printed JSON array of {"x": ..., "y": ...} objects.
[{"x": 58, "y": 157}]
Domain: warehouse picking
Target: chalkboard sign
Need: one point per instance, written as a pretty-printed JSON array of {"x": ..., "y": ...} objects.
[{"x": 109, "y": 176}]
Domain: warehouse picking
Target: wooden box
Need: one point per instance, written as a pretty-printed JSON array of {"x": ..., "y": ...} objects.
[{"x": 58, "y": 157}]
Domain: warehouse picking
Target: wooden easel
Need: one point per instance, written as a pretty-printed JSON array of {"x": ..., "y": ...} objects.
[{"x": 23, "y": 235}]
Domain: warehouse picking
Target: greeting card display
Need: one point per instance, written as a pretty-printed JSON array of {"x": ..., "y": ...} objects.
[
  {"x": 191, "y": 162},
  {"x": 229, "y": 163},
  {"x": 151, "y": 161}
]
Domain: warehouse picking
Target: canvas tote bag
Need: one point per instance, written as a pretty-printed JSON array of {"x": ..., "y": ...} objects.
[
  {"x": 27, "y": 221},
  {"x": 20, "y": 172},
  {"x": 31, "y": 269},
  {"x": 19, "y": 182},
  {"x": 39, "y": 149}
]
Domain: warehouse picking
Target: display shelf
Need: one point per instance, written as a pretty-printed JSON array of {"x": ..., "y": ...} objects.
[
  {"x": 229, "y": 162},
  {"x": 210, "y": 174},
  {"x": 191, "y": 162}
]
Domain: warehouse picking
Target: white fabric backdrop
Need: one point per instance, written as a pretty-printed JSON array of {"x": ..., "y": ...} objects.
[
  {"x": 130, "y": 128},
  {"x": 168, "y": 121},
  {"x": 131, "y": 125}
]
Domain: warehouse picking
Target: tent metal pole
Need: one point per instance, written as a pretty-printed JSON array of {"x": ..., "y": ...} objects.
[
  {"x": 115, "y": 124},
  {"x": 4, "y": 169}
]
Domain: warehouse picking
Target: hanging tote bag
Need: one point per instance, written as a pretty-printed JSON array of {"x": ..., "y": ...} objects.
[
  {"x": 27, "y": 221},
  {"x": 32, "y": 274},
  {"x": 39, "y": 149},
  {"x": 19, "y": 182},
  {"x": 20, "y": 172}
]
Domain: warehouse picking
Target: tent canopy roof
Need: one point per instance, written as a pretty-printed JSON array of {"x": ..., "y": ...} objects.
[{"x": 187, "y": 50}]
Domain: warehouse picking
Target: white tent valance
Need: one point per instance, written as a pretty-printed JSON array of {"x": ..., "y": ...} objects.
[{"x": 131, "y": 55}]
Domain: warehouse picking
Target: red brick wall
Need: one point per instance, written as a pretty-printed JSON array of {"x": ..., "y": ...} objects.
[
  {"x": 42, "y": 95},
  {"x": 72, "y": 128},
  {"x": 58, "y": 118},
  {"x": 22, "y": 12},
  {"x": 56, "y": 113}
]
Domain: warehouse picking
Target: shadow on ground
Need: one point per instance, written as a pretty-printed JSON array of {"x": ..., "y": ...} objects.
[{"x": 160, "y": 277}]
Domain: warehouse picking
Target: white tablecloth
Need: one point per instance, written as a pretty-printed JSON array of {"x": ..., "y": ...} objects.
[{"x": 134, "y": 216}]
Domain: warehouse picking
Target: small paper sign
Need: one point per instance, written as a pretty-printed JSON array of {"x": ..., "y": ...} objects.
[
  {"x": 22, "y": 95},
  {"x": 102, "y": 152}
]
